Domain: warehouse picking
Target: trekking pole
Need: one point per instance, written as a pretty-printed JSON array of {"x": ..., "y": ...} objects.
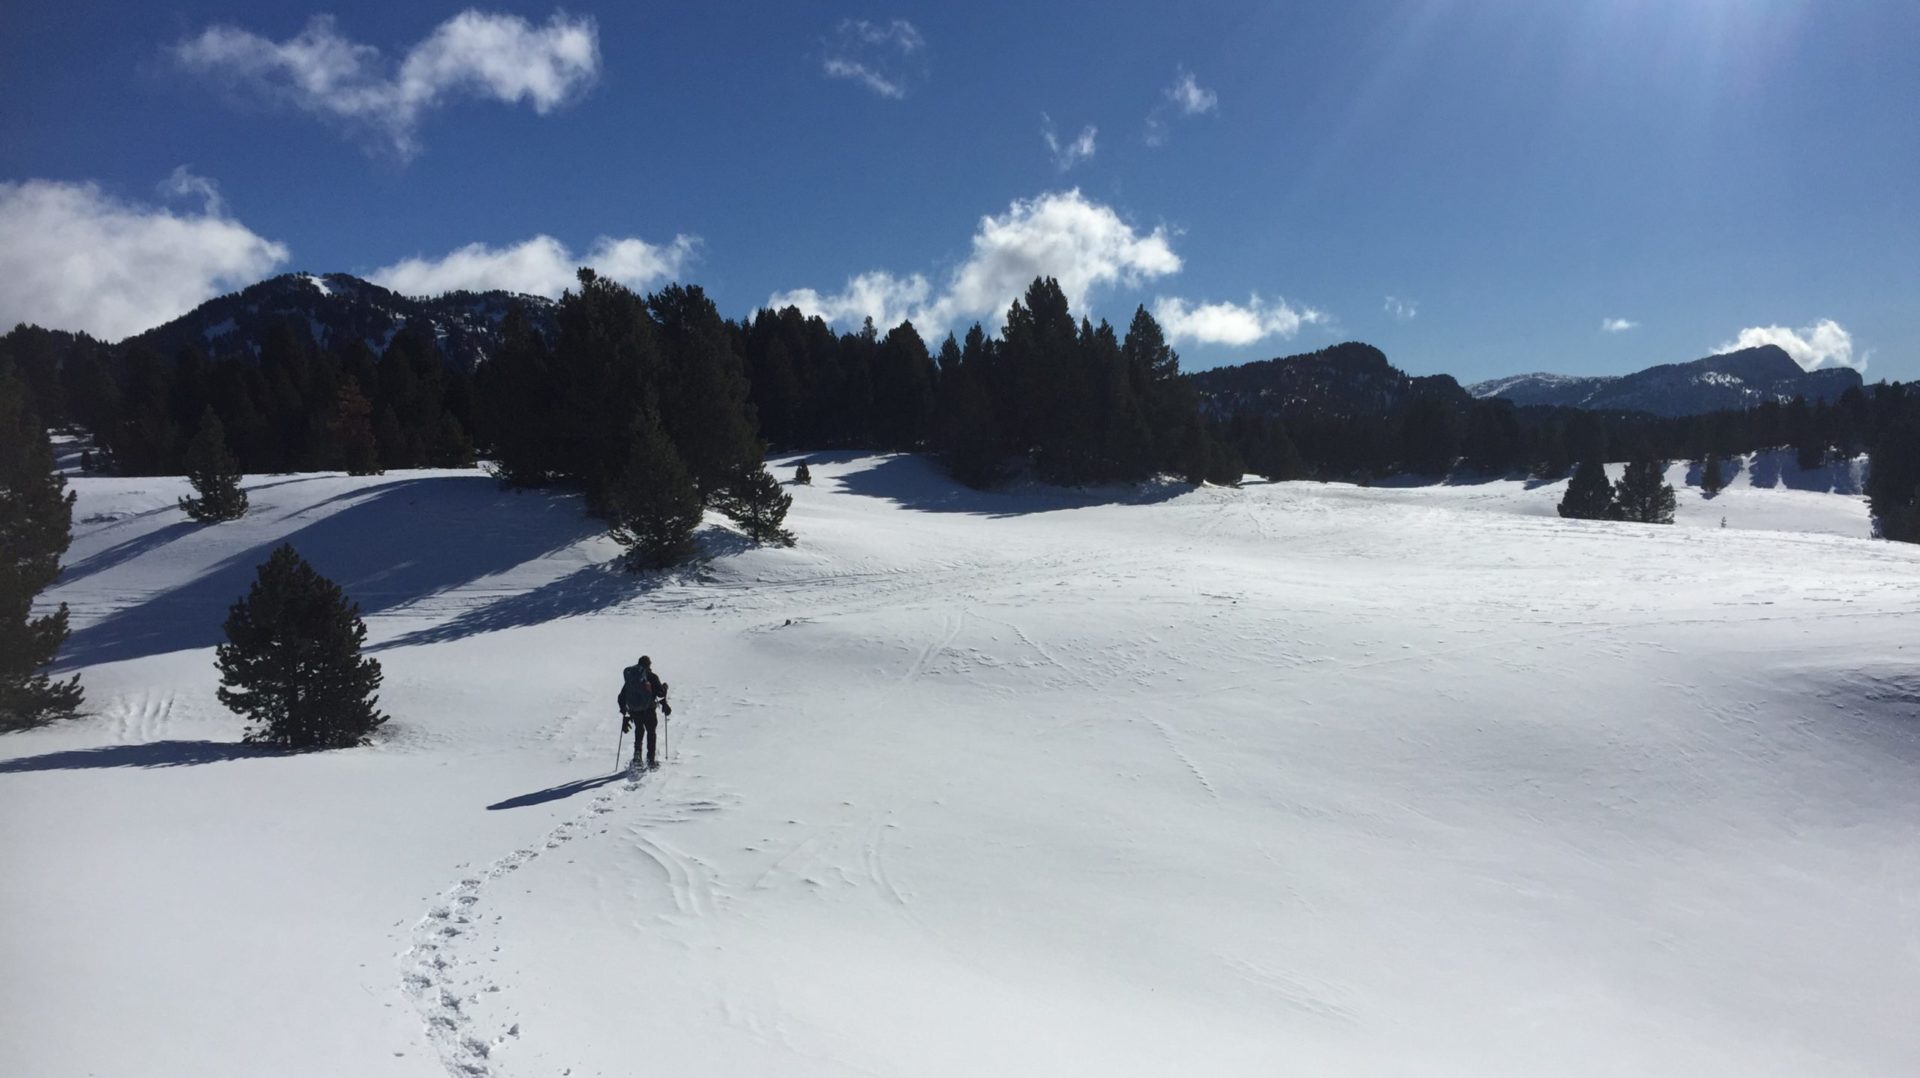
[{"x": 618, "y": 745}]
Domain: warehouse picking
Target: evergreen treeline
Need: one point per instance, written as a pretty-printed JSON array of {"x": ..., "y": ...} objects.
[
  {"x": 1433, "y": 433},
  {"x": 1078, "y": 402},
  {"x": 293, "y": 407},
  {"x": 565, "y": 398}
]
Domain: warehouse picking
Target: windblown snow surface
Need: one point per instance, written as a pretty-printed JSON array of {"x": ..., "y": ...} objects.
[{"x": 1288, "y": 779}]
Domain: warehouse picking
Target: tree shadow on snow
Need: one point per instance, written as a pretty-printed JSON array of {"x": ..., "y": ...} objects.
[
  {"x": 913, "y": 482},
  {"x": 127, "y": 551},
  {"x": 1781, "y": 468},
  {"x": 555, "y": 793},
  {"x": 149, "y": 755},
  {"x": 398, "y": 543},
  {"x": 587, "y": 590}
]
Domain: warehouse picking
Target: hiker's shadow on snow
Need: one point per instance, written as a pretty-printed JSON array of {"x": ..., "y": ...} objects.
[
  {"x": 556, "y": 793},
  {"x": 397, "y": 543},
  {"x": 152, "y": 754},
  {"x": 914, "y": 482}
]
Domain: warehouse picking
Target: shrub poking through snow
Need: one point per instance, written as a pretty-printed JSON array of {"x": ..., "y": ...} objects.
[
  {"x": 292, "y": 662},
  {"x": 755, "y": 501},
  {"x": 215, "y": 475}
]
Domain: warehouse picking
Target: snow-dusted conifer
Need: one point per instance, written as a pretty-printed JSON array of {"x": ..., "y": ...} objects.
[
  {"x": 36, "y": 522},
  {"x": 653, "y": 506},
  {"x": 1642, "y": 494},
  {"x": 1588, "y": 496},
  {"x": 755, "y": 501},
  {"x": 292, "y": 662},
  {"x": 214, "y": 473},
  {"x": 1712, "y": 475}
]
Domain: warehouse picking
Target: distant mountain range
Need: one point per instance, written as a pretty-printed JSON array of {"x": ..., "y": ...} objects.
[
  {"x": 1345, "y": 379},
  {"x": 1739, "y": 379},
  {"x": 337, "y": 308}
]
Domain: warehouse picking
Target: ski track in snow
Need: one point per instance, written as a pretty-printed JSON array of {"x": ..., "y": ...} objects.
[{"x": 444, "y": 975}]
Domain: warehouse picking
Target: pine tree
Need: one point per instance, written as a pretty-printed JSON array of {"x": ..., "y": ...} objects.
[
  {"x": 1551, "y": 456},
  {"x": 1588, "y": 496},
  {"x": 1279, "y": 458},
  {"x": 36, "y": 521},
  {"x": 1712, "y": 476},
  {"x": 350, "y": 433},
  {"x": 1642, "y": 495},
  {"x": 653, "y": 508},
  {"x": 1429, "y": 438},
  {"x": 803, "y": 475},
  {"x": 966, "y": 431},
  {"x": 755, "y": 501},
  {"x": 1893, "y": 478},
  {"x": 451, "y": 446},
  {"x": 703, "y": 400},
  {"x": 292, "y": 662},
  {"x": 214, "y": 473}
]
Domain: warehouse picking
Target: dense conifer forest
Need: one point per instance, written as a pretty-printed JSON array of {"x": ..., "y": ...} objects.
[{"x": 568, "y": 397}]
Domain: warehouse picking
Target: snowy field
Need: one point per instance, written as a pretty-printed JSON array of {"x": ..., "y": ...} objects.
[{"x": 1289, "y": 779}]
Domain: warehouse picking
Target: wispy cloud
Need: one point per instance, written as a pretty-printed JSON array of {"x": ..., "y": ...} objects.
[
  {"x": 882, "y": 56},
  {"x": 1231, "y": 323},
  {"x": 498, "y": 57},
  {"x": 184, "y": 183},
  {"x": 1617, "y": 325},
  {"x": 1192, "y": 98},
  {"x": 541, "y": 266},
  {"x": 1186, "y": 97},
  {"x": 1072, "y": 152},
  {"x": 78, "y": 258},
  {"x": 1402, "y": 310},
  {"x": 1825, "y": 343},
  {"x": 1081, "y": 243}
]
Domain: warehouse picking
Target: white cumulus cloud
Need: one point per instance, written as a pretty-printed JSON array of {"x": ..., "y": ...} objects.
[
  {"x": 74, "y": 257},
  {"x": 1825, "y": 343},
  {"x": 1231, "y": 323},
  {"x": 882, "y": 56},
  {"x": 1402, "y": 310},
  {"x": 541, "y": 266},
  {"x": 1064, "y": 235},
  {"x": 1071, "y": 152},
  {"x": 1617, "y": 325},
  {"x": 498, "y": 57}
]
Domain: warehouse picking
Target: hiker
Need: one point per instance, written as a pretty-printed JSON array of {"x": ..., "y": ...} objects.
[
  {"x": 641, "y": 691},
  {"x": 803, "y": 475}
]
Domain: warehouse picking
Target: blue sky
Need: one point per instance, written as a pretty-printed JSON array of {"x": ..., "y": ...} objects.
[{"x": 1478, "y": 188}]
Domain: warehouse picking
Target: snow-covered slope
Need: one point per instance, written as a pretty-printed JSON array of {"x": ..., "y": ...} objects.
[{"x": 1287, "y": 779}]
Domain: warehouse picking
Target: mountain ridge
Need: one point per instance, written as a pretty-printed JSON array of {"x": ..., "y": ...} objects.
[
  {"x": 1739, "y": 379},
  {"x": 338, "y": 309}
]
